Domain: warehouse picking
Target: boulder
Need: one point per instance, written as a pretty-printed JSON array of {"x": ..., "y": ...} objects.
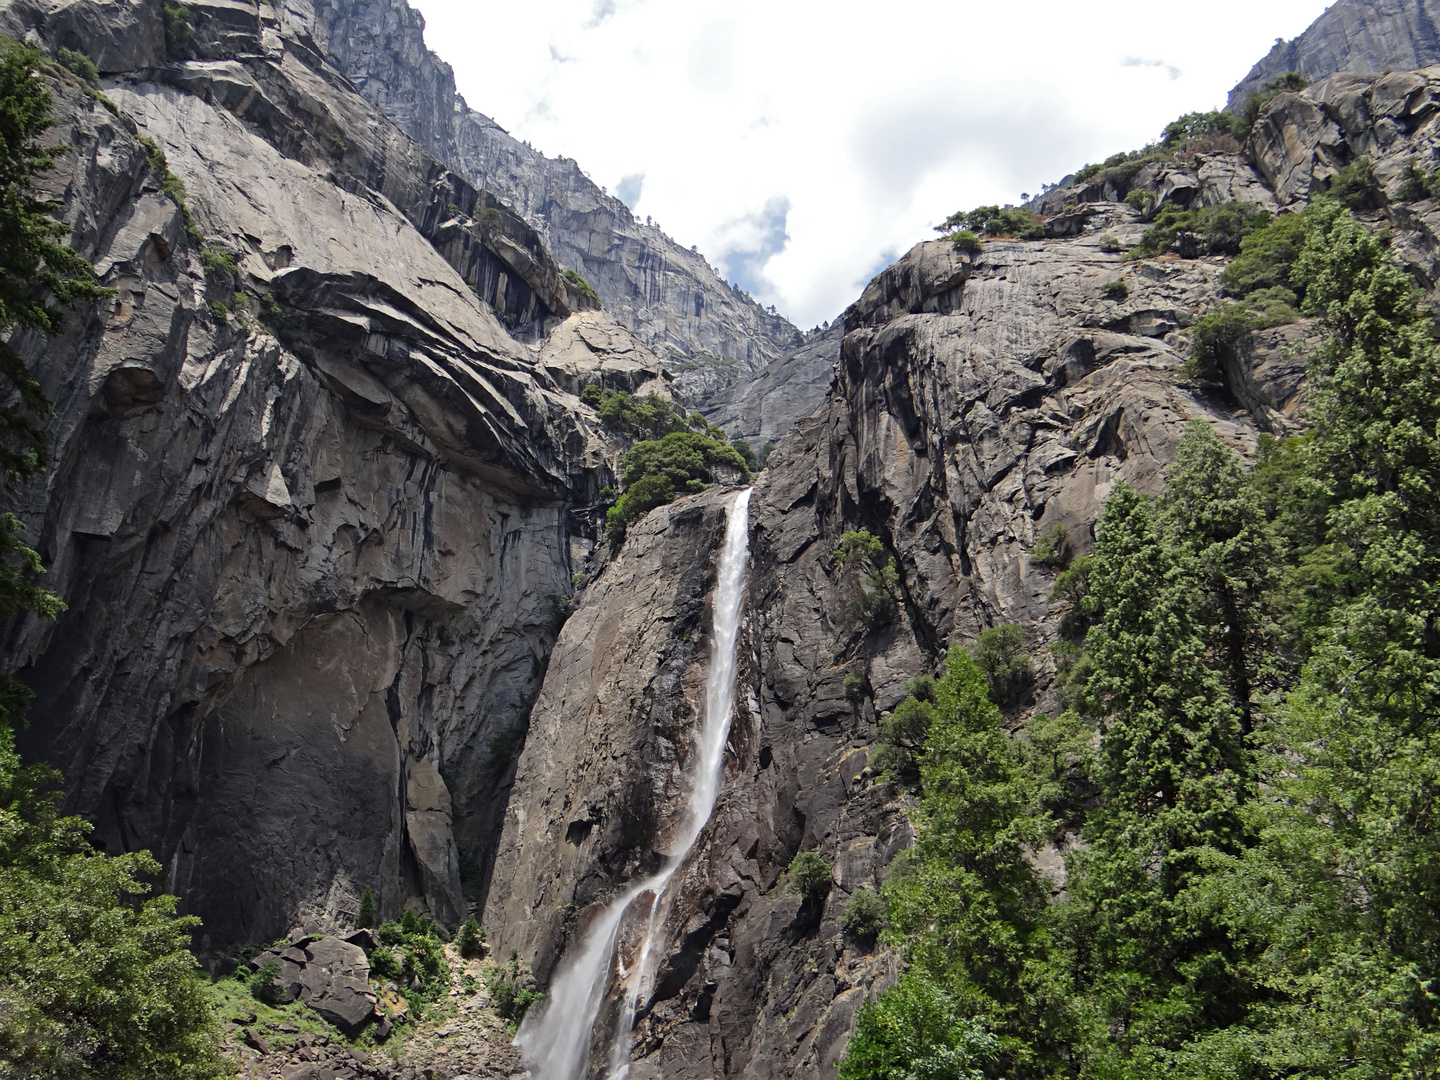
[{"x": 335, "y": 982}]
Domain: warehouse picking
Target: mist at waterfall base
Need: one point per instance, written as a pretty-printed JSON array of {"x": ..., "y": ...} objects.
[{"x": 555, "y": 1037}]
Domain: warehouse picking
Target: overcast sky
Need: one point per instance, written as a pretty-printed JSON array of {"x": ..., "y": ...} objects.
[{"x": 802, "y": 145}]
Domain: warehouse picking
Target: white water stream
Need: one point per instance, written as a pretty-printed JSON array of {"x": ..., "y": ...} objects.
[{"x": 555, "y": 1039}]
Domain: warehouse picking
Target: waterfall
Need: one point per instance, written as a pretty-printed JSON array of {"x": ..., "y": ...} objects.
[{"x": 555, "y": 1039}]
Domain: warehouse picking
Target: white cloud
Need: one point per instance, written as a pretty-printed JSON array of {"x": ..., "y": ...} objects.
[{"x": 802, "y": 144}]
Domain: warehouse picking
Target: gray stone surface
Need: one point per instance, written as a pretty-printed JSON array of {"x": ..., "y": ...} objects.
[
  {"x": 311, "y": 558},
  {"x": 670, "y": 297},
  {"x": 1353, "y": 36}
]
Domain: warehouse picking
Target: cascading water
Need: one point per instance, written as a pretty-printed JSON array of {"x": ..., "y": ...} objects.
[{"x": 555, "y": 1041}]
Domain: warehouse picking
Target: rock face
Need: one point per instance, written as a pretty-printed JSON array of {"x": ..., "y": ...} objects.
[
  {"x": 670, "y": 298},
  {"x": 974, "y": 405},
  {"x": 766, "y": 406},
  {"x": 311, "y": 517},
  {"x": 1353, "y": 36}
]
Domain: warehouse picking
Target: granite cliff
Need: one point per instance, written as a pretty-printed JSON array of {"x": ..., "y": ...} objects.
[
  {"x": 668, "y": 296},
  {"x": 1353, "y": 36},
  {"x": 324, "y": 508}
]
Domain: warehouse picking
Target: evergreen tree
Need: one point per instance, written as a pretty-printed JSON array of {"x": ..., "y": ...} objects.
[{"x": 95, "y": 982}]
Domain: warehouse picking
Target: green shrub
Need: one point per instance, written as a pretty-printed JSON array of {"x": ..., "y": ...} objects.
[
  {"x": 417, "y": 953},
  {"x": 265, "y": 984},
  {"x": 1266, "y": 256},
  {"x": 366, "y": 918},
  {"x": 219, "y": 312},
  {"x": 809, "y": 877},
  {"x": 1355, "y": 187},
  {"x": 873, "y": 602},
  {"x": 1139, "y": 199},
  {"x": 1195, "y": 127},
  {"x": 177, "y": 30},
  {"x": 1225, "y": 334},
  {"x": 1211, "y": 230},
  {"x": 171, "y": 185},
  {"x": 856, "y": 546},
  {"x": 854, "y": 687},
  {"x": 219, "y": 264},
  {"x": 1417, "y": 183},
  {"x": 999, "y": 653},
  {"x": 1115, "y": 290},
  {"x": 1052, "y": 549},
  {"x": 581, "y": 284},
  {"x": 471, "y": 939},
  {"x": 512, "y": 988},
  {"x": 79, "y": 64},
  {"x": 650, "y": 417},
  {"x": 864, "y": 916},
  {"x": 383, "y": 964},
  {"x": 1110, "y": 243},
  {"x": 656, "y": 470},
  {"x": 1015, "y": 222},
  {"x": 492, "y": 218},
  {"x": 967, "y": 242},
  {"x": 765, "y": 452},
  {"x": 746, "y": 454},
  {"x": 916, "y": 1031}
]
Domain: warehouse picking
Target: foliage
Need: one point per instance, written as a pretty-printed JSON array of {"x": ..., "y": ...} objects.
[
  {"x": 656, "y": 470},
  {"x": 1115, "y": 290},
  {"x": 1255, "y": 894},
  {"x": 580, "y": 283},
  {"x": 1140, "y": 199},
  {"x": 171, "y": 185},
  {"x": 967, "y": 242},
  {"x": 1289, "y": 82},
  {"x": 855, "y": 687},
  {"x": 809, "y": 877},
  {"x": 1016, "y": 222},
  {"x": 1210, "y": 230},
  {"x": 79, "y": 64},
  {"x": 177, "y": 30},
  {"x": 96, "y": 980},
  {"x": 512, "y": 988},
  {"x": 1266, "y": 257},
  {"x": 999, "y": 653},
  {"x": 265, "y": 984},
  {"x": 747, "y": 455},
  {"x": 417, "y": 953},
  {"x": 1052, "y": 547},
  {"x": 1355, "y": 187},
  {"x": 383, "y": 964},
  {"x": 219, "y": 264},
  {"x": 366, "y": 917},
  {"x": 650, "y": 417},
  {"x": 471, "y": 939},
  {"x": 1225, "y": 334},
  {"x": 916, "y": 1032},
  {"x": 1418, "y": 183},
  {"x": 765, "y": 453},
  {"x": 492, "y": 218},
  {"x": 864, "y": 915},
  {"x": 1110, "y": 243},
  {"x": 857, "y": 546}
]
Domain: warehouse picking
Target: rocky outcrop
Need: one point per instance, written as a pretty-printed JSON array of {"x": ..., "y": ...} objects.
[
  {"x": 1353, "y": 36},
  {"x": 669, "y": 297},
  {"x": 766, "y": 406},
  {"x": 329, "y": 975},
  {"x": 312, "y": 507}
]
